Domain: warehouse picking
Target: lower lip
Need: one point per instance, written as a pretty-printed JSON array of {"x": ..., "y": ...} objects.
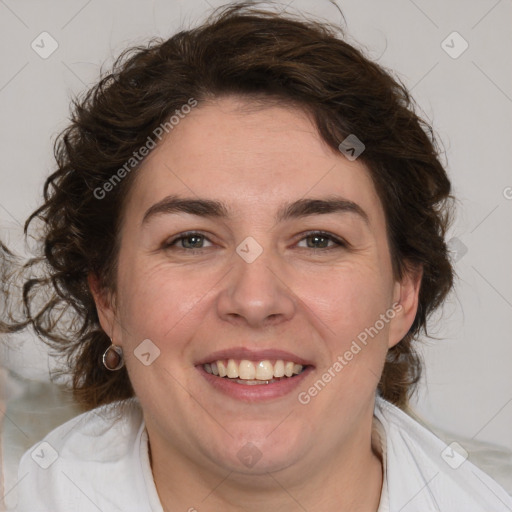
[{"x": 257, "y": 392}]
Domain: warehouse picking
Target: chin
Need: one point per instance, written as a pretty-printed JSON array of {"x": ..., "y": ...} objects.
[{"x": 259, "y": 452}]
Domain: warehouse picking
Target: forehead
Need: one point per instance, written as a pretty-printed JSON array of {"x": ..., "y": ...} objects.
[{"x": 250, "y": 156}]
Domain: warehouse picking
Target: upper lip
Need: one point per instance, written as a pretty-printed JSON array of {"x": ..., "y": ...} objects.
[{"x": 253, "y": 355}]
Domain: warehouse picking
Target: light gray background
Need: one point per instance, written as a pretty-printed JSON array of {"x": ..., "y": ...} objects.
[{"x": 468, "y": 385}]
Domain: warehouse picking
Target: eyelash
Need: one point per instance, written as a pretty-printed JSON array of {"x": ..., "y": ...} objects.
[{"x": 339, "y": 243}]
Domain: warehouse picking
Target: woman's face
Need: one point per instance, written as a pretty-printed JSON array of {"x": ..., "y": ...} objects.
[{"x": 220, "y": 259}]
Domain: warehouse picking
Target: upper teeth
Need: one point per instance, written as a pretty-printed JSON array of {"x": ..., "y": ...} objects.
[{"x": 253, "y": 370}]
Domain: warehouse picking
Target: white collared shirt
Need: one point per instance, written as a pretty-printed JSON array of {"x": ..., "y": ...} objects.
[{"x": 94, "y": 462}]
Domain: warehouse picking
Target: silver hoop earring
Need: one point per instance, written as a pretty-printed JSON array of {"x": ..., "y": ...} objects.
[{"x": 113, "y": 359}]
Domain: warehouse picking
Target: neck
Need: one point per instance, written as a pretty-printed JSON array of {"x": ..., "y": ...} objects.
[{"x": 350, "y": 479}]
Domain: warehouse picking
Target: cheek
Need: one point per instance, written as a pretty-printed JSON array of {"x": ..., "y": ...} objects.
[
  {"x": 165, "y": 308},
  {"x": 355, "y": 337},
  {"x": 349, "y": 307},
  {"x": 156, "y": 300},
  {"x": 348, "y": 299}
]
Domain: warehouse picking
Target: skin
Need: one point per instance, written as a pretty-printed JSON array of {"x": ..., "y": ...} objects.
[{"x": 311, "y": 301}]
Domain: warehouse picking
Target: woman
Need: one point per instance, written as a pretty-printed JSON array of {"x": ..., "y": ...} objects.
[{"x": 244, "y": 236}]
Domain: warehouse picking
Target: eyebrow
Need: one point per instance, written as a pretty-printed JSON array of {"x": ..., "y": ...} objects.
[{"x": 216, "y": 209}]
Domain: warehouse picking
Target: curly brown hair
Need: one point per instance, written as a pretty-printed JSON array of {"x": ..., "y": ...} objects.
[{"x": 243, "y": 51}]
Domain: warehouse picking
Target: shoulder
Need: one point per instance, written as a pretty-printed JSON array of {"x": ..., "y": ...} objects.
[
  {"x": 107, "y": 429},
  {"x": 423, "y": 473},
  {"x": 83, "y": 462}
]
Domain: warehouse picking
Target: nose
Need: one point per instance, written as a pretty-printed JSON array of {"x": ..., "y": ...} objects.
[{"x": 256, "y": 294}]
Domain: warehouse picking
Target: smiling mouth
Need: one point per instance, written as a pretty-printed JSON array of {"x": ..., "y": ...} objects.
[{"x": 253, "y": 373}]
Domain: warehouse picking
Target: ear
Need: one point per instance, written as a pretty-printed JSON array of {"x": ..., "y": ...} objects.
[
  {"x": 104, "y": 305},
  {"x": 405, "y": 303}
]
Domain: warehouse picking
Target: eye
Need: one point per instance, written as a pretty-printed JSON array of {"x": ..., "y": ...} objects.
[
  {"x": 191, "y": 240},
  {"x": 321, "y": 240}
]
